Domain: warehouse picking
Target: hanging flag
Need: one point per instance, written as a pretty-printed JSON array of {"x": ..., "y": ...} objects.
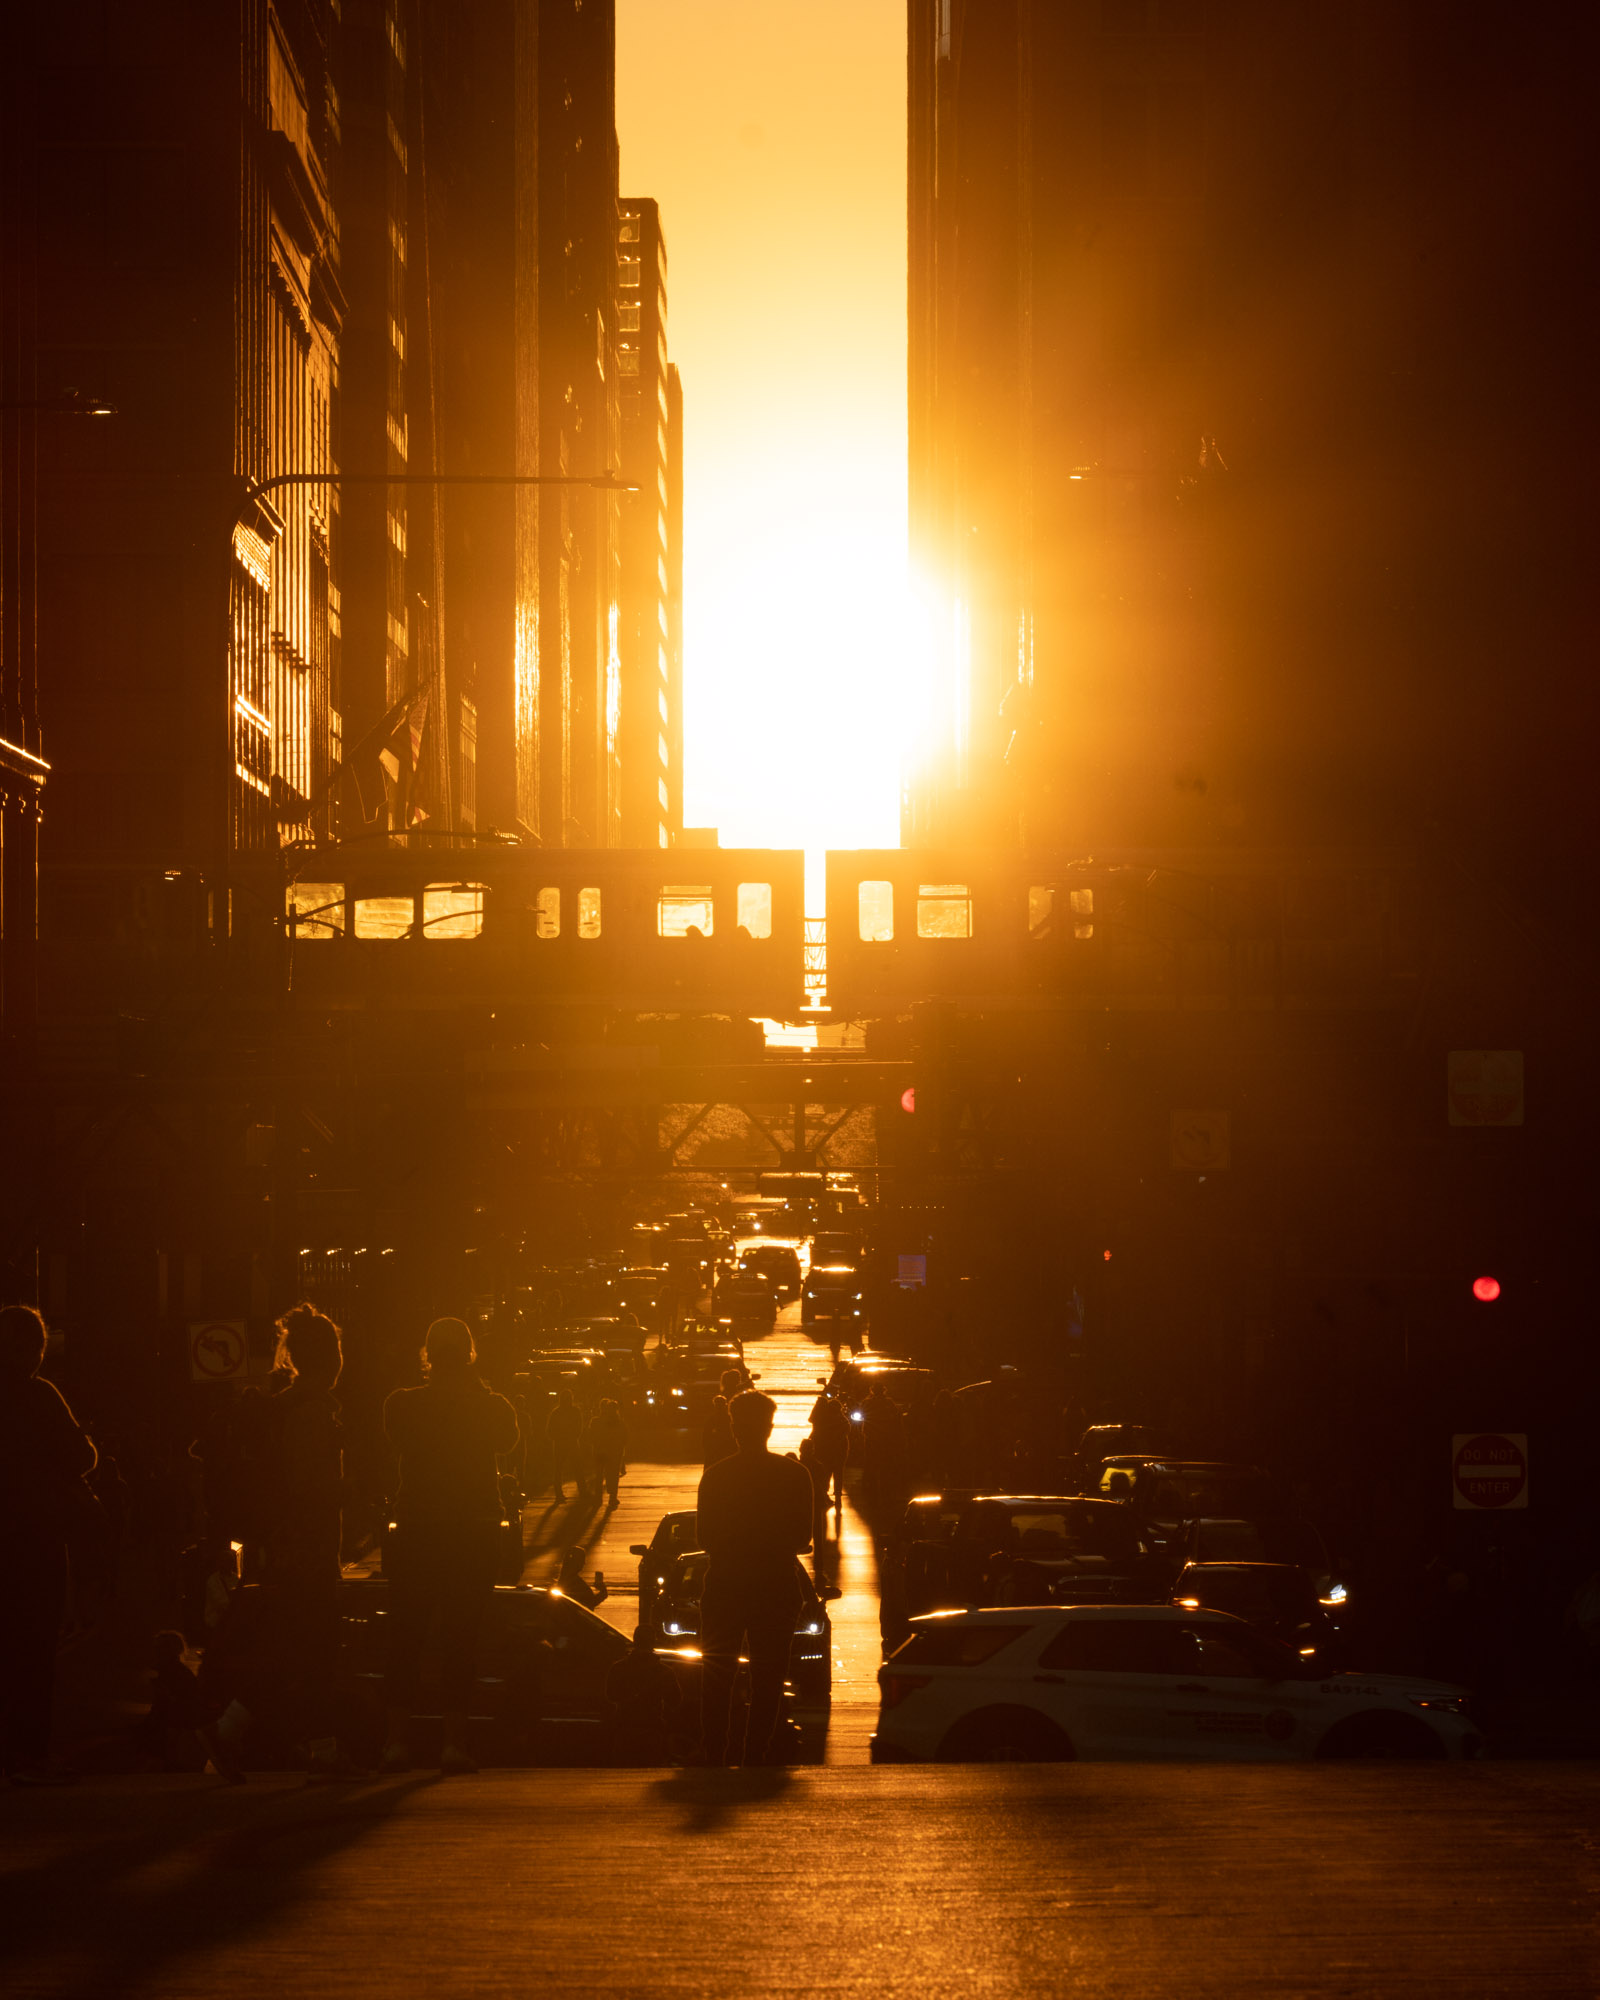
[{"x": 415, "y": 722}]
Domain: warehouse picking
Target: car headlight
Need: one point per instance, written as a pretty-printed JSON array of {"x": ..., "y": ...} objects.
[
  {"x": 1337, "y": 1594},
  {"x": 1450, "y": 1704},
  {"x": 672, "y": 1625},
  {"x": 813, "y": 1626}
]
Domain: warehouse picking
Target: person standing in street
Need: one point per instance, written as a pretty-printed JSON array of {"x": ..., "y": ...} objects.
[
  {"x": 563, "y": 1432},
  {"x": 830, "y": 1448},
  {"x": 304, "y": 1534},
  {"x": 44, "y": 1460},
  {"x": 444, "y": 1547},
  {"x": 754, "y": 1513},
  {"x": 608, "y": 1446},
  {"x": 716, "y": 1439},
  {"x": 571, "y": 1582}
]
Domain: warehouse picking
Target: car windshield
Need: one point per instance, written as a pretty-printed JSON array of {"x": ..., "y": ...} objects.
[
  {"x": 1264, "y": 1593},
  {"x": 1062, "y": 1531}
]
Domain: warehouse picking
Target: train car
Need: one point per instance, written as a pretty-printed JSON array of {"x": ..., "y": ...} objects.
[
  {"x": 640, "y": 930},
  {"x": 1138, "y": 929}
]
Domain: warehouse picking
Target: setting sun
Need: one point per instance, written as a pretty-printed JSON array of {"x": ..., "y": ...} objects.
[{"x": 799, "y": 658}]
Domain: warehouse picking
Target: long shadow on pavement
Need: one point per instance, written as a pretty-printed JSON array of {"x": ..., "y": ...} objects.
[
  {"x": 93, "y": 1928},
  {"x": 712, "y": 1796}
]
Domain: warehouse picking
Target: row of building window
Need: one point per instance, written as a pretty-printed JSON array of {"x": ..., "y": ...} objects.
[
  {"x": 944, "y": 910},
  {"x": 321, "y": 910}
]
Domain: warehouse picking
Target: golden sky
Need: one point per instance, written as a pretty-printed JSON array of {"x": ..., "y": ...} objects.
[{"x": 773, "y": 136}]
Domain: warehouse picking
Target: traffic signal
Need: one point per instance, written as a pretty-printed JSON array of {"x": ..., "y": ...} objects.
[{"x": 1486, "y": 1290}]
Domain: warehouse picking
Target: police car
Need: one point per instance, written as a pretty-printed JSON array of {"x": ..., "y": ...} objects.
[{"x": 1046, "y": 1683}]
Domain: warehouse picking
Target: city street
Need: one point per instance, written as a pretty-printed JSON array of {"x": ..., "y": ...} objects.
[
  {"x": 1093, "y": 1879},
  {"x": 787, "y": 1366}
]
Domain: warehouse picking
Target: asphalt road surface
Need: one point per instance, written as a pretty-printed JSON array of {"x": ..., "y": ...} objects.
[{"x": 1052, "y": 1880}]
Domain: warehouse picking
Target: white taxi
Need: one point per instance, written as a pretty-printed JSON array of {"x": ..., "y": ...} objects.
[{"x": 1051, "y": 1682}]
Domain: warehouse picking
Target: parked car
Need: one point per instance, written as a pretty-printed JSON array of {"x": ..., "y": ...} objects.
[
  {"x": 539, "y": 1692},
  {"x": 1042, "y": 1684},
  {"x": 831, "y": 1302}
]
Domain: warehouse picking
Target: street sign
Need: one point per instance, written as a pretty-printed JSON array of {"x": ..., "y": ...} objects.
[
  {"x": 1200, "y": 1141},
  {"x": 1484, "y": 1086},
  {"x": 217, "y": 1350},
  {"x": 1489, "y": 1469}
]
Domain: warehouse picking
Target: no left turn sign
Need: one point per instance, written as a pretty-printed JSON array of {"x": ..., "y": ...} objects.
[
  {"x": 1490, "y": 1469},
  {"x": 217, "y": 1350}
]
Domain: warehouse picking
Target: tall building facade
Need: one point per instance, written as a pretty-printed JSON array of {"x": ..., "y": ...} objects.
[
  {"x": 1201, "y": 361},
  {"x": 652, "y": 681},
  {"x": 580, "y": 420}
]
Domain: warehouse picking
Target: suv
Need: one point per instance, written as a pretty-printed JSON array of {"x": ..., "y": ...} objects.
[{"x": 1022, "y": 1549}]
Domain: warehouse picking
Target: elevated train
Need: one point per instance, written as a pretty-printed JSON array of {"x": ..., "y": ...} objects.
[{"x": 709, "y": 930}]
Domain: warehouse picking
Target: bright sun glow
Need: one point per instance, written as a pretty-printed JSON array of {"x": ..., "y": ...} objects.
[{"x": 800, "y": 651}]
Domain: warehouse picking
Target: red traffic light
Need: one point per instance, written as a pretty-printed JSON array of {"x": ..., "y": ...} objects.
[
  {"x": 908, "y": 1098},
  {"x": 1486, "y": 1290}
]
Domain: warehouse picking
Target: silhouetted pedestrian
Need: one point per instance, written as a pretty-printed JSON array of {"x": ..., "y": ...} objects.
[
  {"x": 44, "y": 1458},
  {"x": 754, "y": 1518},
  {"x": 571, "y": 1582},
  {"x": 830, "y": 1448},
  {"x": 608, "y": 1445},
  {"x": 180, "y": 1716},
  {"x": 645, "y": 1698},
  {"x": 303, "y": 1536},
  {"x": 563, "y": 1434},
  {"x": 717, "y": 1437},
  {"x": 444, "y": 1547}
]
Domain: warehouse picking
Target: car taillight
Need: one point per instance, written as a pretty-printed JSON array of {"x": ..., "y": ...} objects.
[{"x": 897, "y": 1686}]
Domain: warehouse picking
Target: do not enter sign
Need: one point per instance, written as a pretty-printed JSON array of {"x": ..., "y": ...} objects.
[{"x": 1490, "y": 1468}]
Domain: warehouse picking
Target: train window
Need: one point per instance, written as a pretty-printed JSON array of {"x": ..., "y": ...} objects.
[
  {"x": 547, "y": 914},
  {"x": 944, "y": 910},
  {"x": 755, "y": 909},
  {"x": 588, "y": 913},
  {"x": 316, "y": 909},
  {"x": 875, "y": 912},
  {"x": 684, "y": 910},
  {"x": 385, "y": 916},
  {"x": 1041, "y": 910},
  {"x": 1083, "y": 913},
  {"x": 452, "y": 910}
]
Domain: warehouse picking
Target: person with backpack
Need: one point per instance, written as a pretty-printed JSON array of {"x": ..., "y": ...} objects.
[
  {"x": 44, "y": 1460},
  {"x": 444, "y": 1548}
]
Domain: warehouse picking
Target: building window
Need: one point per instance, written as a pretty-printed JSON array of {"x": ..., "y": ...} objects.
[
  {"x": 397, "y": 338},
  {"x": 385, "y": 916},
  {"x": 663, "y": 795},
  {"x": 316, "y": 909},
  {"x": 665, "y": 842},
  {"x": 1041, "y": 910},
  {"x": 397, "y": 533},
  {"x": 661, "y": 747},
  {"x": 684, "y": 910},
  {"x": 547, "y": 914},
  {"x": 1082, "y": 913},
  {"x": 629, "y": 232},
  {"x": 588, "y": 913},
  {"x": 944, "y": 910},
  {"x": 628, "y": 361},
  {"x": 755, "y": 909},
  {"x": 452, "y": 910},
  {"x": 661, "y": 703},
  {"x": 628, "y": 273},
  {"x": 875, "y": 912},
  {"x": 628, "y": 316}
]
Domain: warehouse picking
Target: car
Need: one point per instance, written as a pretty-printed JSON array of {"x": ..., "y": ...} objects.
[
  {"x": 1022, "y": 1549},
  {"x": 1271, "y": 1537},
  {"x": 1168, "y": 1494},
  {"x": 583, "y": 1370},
  {"x": 778, "y": 1264},
  {"x": 1045, "y": 1683},
  {"x": 675, "y": 1535},
  {"x": 675, "y": 1621},
  {"x": 541, "y": 1667},
  {"x": 907, "y": 1385},
  {"x": 1101, "y": 1442},
  {"x": 1277, "y": 1598},
  {"x": 747, "y": 1300},
  {"x": 831, "y": 1298},
  {"x": 646, "y": 1292},
  {"x": 835, "y": 1246}
]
